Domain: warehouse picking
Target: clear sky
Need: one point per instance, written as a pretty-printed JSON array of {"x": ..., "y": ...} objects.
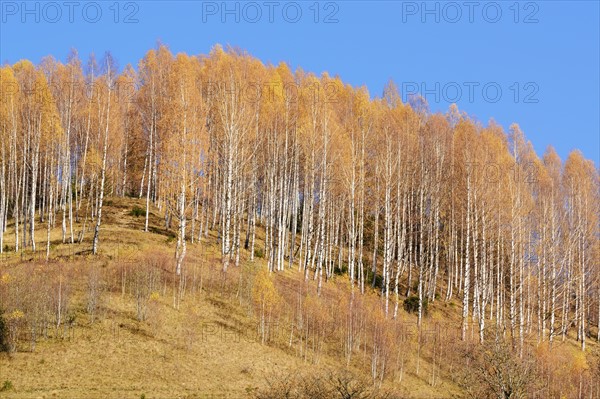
[{"x": 531, "y": 62}]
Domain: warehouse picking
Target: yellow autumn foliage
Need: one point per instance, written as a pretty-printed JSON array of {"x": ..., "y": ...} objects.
[
  {"x": 15, "y": 315},
  {"x": 5, "y": 279},
  {"x": 263, "y": 290}
]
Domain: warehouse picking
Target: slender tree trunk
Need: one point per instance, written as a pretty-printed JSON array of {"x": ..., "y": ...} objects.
[{"x": 103, "y": 176}]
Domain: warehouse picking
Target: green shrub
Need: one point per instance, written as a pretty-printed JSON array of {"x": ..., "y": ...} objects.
[
  {"x": 6, "y": 386},
  {"x": 341, "y": 271},
  {"x": 137, "y": 211},
  {"x": 259, "y": 253},
  {"x": 411, "y": 304},
  {"x": 378, "y": 279},
  {"x": 171, "y": 238}
]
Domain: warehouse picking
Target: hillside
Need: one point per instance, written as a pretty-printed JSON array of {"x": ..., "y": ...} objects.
[
  {"x": 211, "y": 224},
  {"x": 210, "y": 345}
]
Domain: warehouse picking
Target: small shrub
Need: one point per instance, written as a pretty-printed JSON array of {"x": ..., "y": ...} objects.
[
  {"x": 378, "y": 279},
  {"x": 341, "y": 270},
  {"x": 137, "y": 211},
  {"x": 6, "y": 386},
  {"x": 259, "y": 253},
  {"x": 411, "y": 304},
  {"x": 171, "y": 238}
]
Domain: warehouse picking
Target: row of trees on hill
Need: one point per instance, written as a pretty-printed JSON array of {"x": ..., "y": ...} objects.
[{"x": 435, "y": 206}]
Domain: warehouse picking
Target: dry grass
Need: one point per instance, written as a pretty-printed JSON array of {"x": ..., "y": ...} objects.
[
  {"x": 122, "y": 358},
  {"x": 199, "y": 350},
  {"x": 208, "y": 348}
]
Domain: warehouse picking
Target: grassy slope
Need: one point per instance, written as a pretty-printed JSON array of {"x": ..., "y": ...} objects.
[
  {"x": 207, "y": 348},
  {"x": 193, "y": 351}
]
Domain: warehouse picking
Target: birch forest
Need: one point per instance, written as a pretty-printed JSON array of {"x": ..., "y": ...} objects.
[{"x": 309, "y": 175}]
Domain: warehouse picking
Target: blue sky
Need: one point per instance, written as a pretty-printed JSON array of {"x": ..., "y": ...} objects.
[{"x": 531, "y": 62}]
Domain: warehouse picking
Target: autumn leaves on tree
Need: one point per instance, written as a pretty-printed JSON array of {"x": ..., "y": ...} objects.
[{"x": 410, "y": 203}]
